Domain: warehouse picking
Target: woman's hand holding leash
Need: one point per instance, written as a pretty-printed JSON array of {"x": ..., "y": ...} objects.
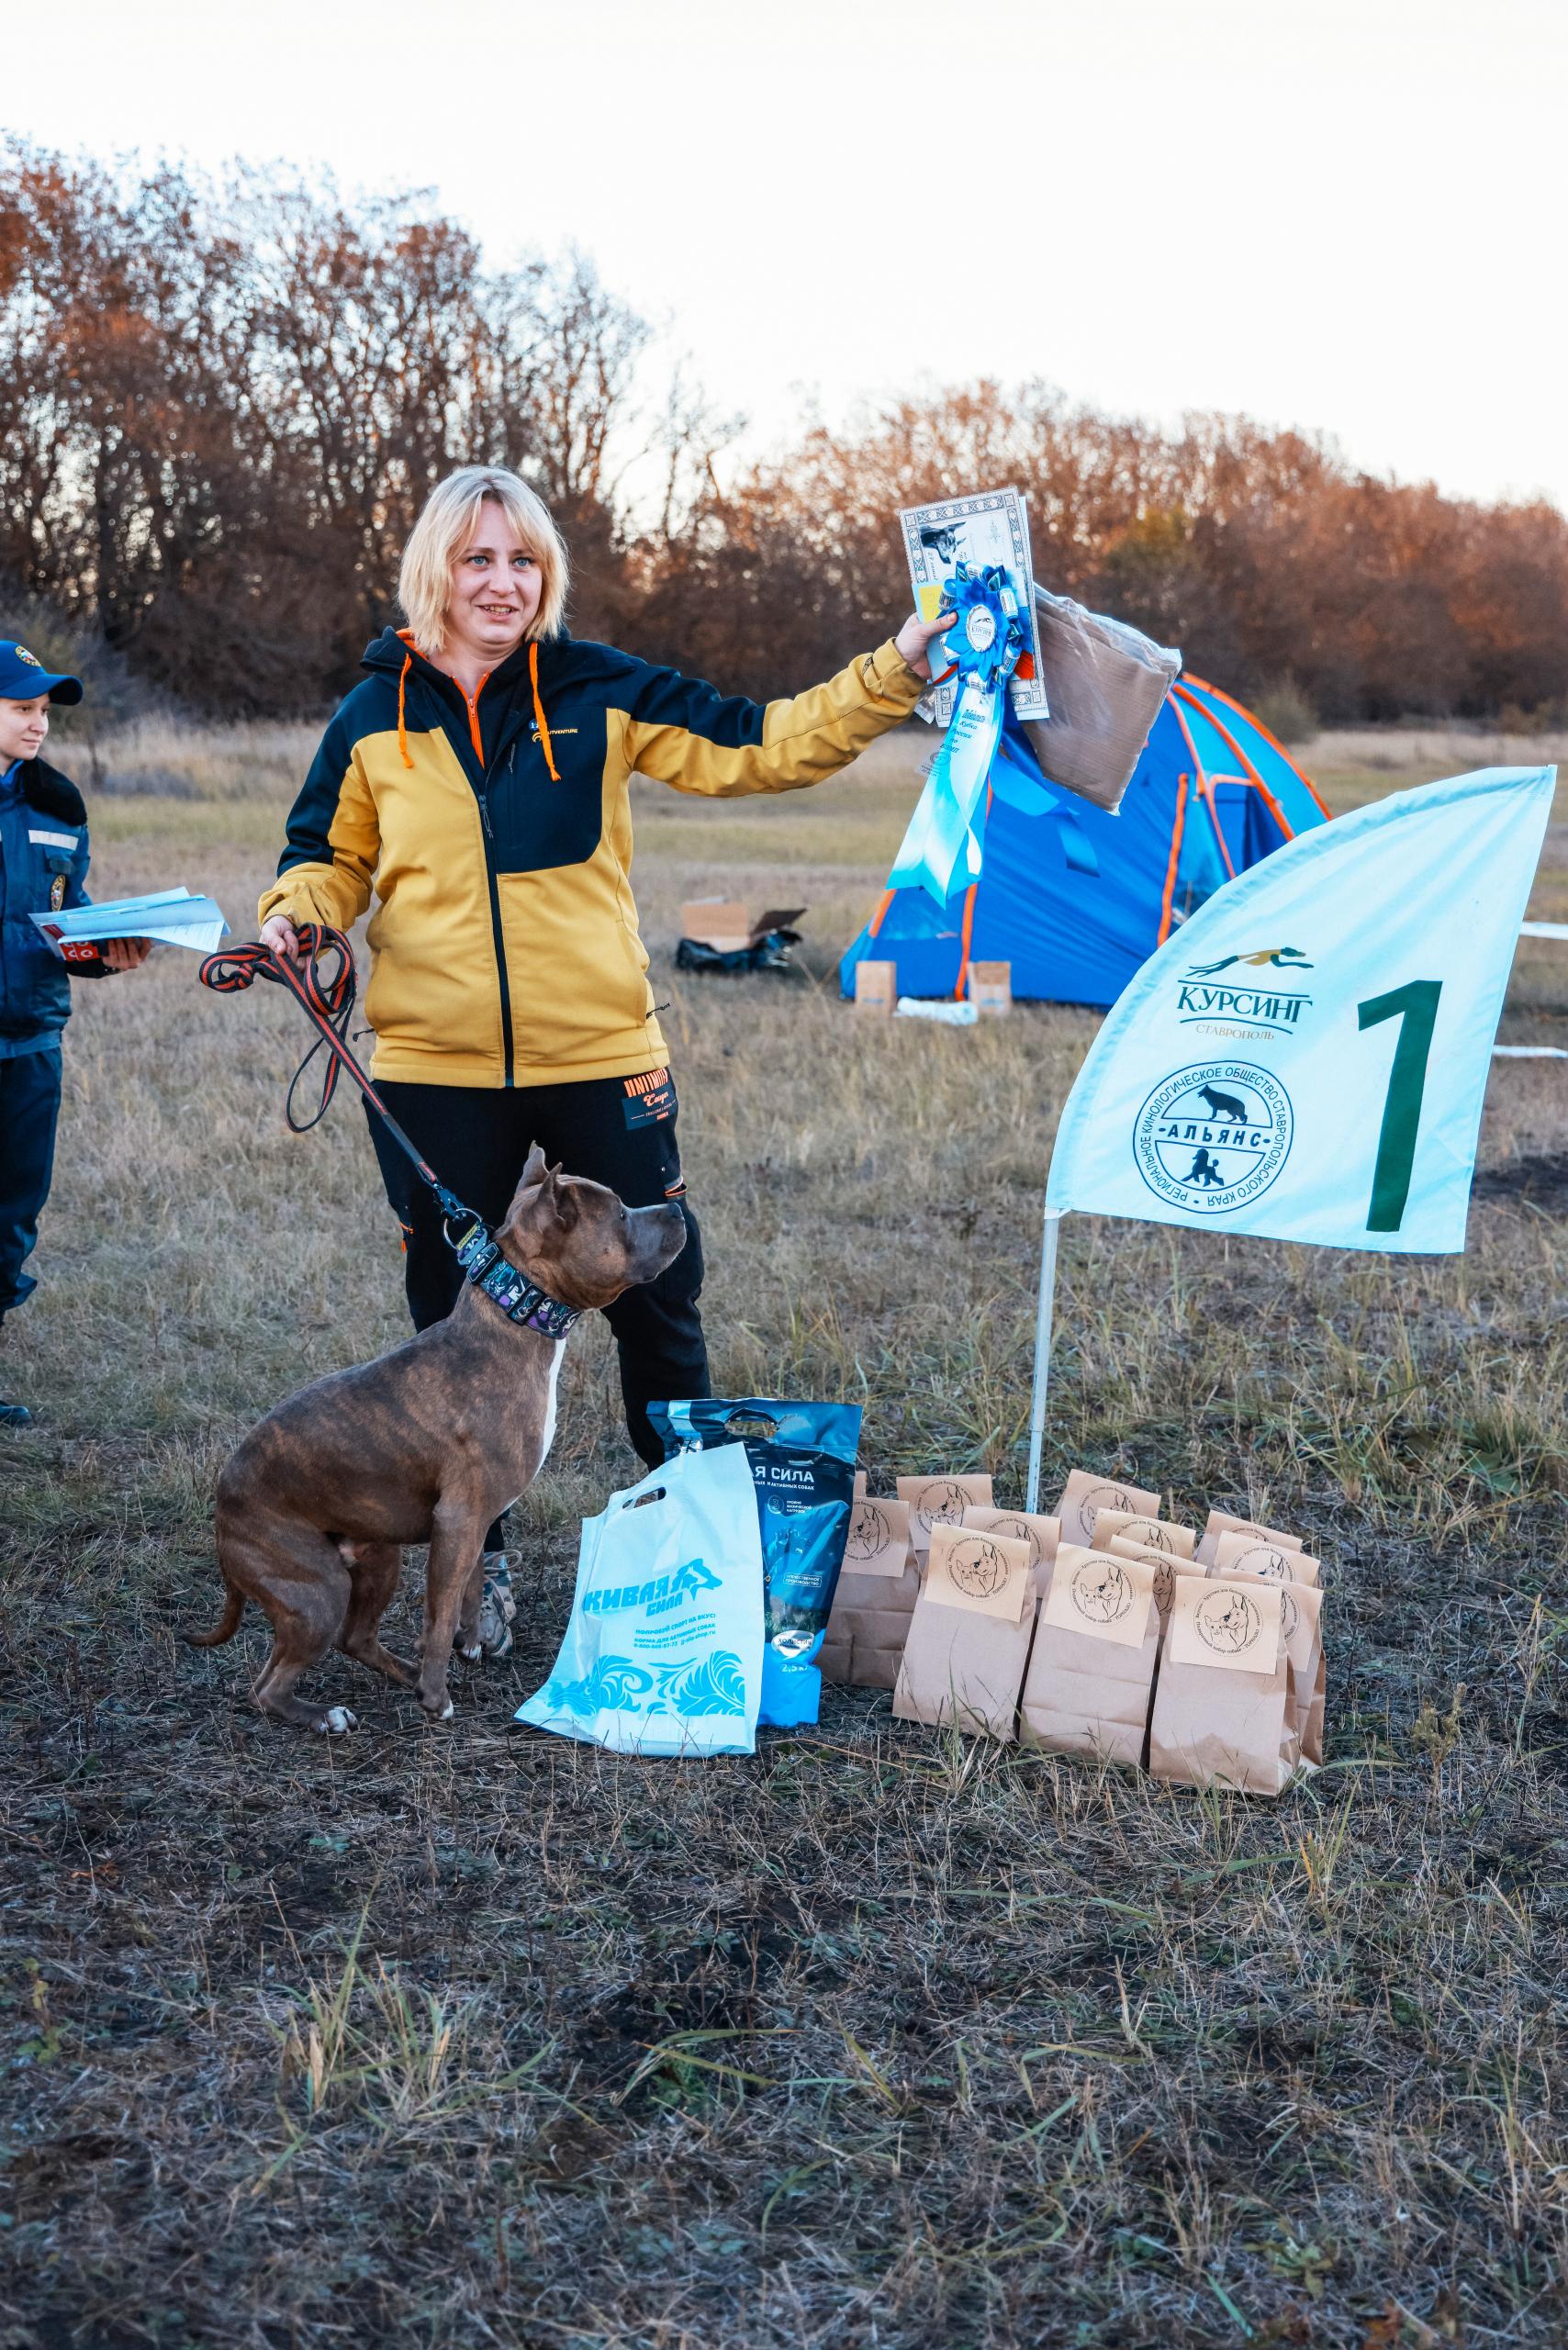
[
  {"x": 280, "y": 934},
  {"x": 912, "y": 643}
]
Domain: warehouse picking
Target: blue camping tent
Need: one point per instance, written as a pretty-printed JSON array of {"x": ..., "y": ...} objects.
[{"x": 1076, "y": 900}]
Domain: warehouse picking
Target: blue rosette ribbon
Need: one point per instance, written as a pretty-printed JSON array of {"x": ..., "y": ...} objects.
[{"x": 986, "y": 643}]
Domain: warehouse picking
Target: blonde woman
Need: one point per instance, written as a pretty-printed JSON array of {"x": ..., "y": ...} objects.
[{"x": 477, "y": 785}]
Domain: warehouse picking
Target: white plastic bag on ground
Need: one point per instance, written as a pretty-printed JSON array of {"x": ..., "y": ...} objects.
[{"x": 663, "y": 1654}]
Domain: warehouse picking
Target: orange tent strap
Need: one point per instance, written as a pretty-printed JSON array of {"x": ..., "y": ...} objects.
[
  {"x": 1300, "y": 772},
  {"x": 1229, "y": 738},
  {"x": 875, "y": 924},
  {"x": 1166, "y": 901},
  {"x": 964, "y": 941}
]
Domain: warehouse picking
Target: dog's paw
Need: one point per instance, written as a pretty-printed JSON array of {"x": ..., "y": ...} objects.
[
  {"x": 473, "y": 1654},
  {"x": 336, "y": 1718}
]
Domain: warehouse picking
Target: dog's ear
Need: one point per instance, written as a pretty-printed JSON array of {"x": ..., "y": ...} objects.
[
  {"x": 549, "y": 1208},
  {"x": 534, "y": 1169}
]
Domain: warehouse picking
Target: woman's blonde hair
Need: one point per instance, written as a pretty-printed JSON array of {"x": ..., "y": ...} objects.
[{"x": 450, "y": 518}]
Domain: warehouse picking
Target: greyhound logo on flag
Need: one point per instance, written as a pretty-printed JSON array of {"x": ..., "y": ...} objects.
[{"x": 1221, "y": 1092}]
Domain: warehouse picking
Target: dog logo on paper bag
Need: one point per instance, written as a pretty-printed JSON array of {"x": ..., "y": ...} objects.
[
  {"x": 941, "y": 1502},
  {"x": 1016, "y": 1528},
  {"x": 1212, "y": 1137},
  {"x": 1100, "y": 1497},
  {"x": 977, "y": 1568},
  {"x": 1228, "y": 1622},
  {"x": 1290, "y": 1617},
  {"x": 1164, "y": 1588},
  {"x": 1263, "y": 1561},
  {"x": 869, "y": 1531},
  {"x": 1101, "y": 1591}
]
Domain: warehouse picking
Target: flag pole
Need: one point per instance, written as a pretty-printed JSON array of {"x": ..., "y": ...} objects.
[{"x": 1043, "y": 1318}]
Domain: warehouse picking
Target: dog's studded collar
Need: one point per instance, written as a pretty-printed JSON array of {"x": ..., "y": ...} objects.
[{"x": 520, "y": 1299}]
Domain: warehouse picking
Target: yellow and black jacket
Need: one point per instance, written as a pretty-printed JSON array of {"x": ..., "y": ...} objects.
[{"x": 504, "y": 947}]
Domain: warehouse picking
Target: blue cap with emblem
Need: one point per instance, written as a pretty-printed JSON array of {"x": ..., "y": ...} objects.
[{"x": 23, "y": 678}]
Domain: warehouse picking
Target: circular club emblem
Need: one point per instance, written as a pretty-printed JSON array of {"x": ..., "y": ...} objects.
[
  {"x": 1018, "y": 1529},
  {"x": 1211, "y": 1137},
  {"x": 869, "y": 1532},
  {"x": 1101, "y": 1591},
  {"x": 1290, "y": 1616},
  {"x": 1261, "y": 1561},
  {"x": 1106, "y": 1497},
  {"x": 981, "y": 628},
  {"x": 940, "y": 1504},
  {"x": 57, "y": 893},
  {"x": 1164, "y": 1588},
  {"x": 978, "y": 1567},
  {"x": 1228, "y": 1622}
]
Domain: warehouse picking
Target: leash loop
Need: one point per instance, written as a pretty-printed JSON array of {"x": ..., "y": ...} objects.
[{"x": 326, "y": 998}]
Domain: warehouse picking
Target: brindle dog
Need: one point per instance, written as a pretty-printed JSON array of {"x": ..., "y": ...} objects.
[{"x": 426, "y": 1445}]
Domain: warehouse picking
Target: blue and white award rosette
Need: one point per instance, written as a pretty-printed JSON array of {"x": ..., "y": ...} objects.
[{"x": 985, "y": 643}]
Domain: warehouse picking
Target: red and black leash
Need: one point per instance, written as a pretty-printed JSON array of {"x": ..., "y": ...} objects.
[{"x": 328, "y": 1002}]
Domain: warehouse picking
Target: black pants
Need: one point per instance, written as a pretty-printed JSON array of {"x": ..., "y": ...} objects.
[
  {"x": 476, "y": 1139},
  {"x": 29, "y": 1110}
]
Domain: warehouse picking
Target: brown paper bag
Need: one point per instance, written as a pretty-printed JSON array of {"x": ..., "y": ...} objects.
[
  {"x": 859, "y": 1483},
  {"x": 1086, "y": 1491},
  {"x": 940, "y": 1501},
  {"x": 1154, "y": 1533},
  {"x": 1219, "y": 1703},
  {"x": 1166, "y": 1570},
  {"x": 989, "y": 985},
  {"x": 969, "y": 1638},
  {"x": 1042, "y": 1535},
  {"x": 1091, "y": 1667},
  {"x": 1301, "y": 1623},
  {"x": 874, "y": 1598},
  {"x": 876, "y": 987},
  {"x": 1243, "y": 1554},
  {"x": 1220, "y": 1522}
]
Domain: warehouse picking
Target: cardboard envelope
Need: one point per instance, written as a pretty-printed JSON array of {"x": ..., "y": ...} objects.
[
  {"x": 1092, "y": 1668},
  {"x": 1243, "y": 1554},
  {"x": 1042, "y": 1535},
  {"x": 940, "y": 1500},
  {"x": 1153, "y": 1533},
  {"x": 874, "y": 1598},
  {"x": 1219, "y": 1702},
  {"x": 1086, "y": 1491},
  {"x": 1221, "y": 1522},
  {"x": 965, "y": 1653}
]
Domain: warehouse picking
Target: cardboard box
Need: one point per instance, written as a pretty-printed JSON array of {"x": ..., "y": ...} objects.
[
  {"x": 730, "y": 928},
  {"x": 989, "y": 985},
  {"x": 876, "y": 987}
]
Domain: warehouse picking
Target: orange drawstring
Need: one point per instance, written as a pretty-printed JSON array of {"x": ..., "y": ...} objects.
[
  {"x": 402, "y": 730},
  {"x": 539, "y": 710}
]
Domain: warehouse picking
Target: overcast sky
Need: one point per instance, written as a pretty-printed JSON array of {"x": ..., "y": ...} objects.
[{"x": 1346, "y": 215}]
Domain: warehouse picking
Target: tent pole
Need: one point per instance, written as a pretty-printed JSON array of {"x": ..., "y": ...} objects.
[{"x": 1042, "y": 1319}]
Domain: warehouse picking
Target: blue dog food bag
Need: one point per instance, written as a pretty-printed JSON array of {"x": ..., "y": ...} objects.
[
  {"x": 663, "y": 1653},
  {"x": 802, "y": 1458}
]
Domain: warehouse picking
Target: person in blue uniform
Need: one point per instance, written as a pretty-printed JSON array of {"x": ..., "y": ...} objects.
[{"x": 43, "y": 867}]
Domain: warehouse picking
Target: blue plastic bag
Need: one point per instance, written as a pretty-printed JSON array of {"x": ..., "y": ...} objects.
[
  {"x": 802, "y": 1458},
  {"x": 663, "y": 1652}
]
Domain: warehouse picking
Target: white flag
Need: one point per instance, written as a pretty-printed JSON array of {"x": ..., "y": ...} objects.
[{"x": 1307, "y": 1057}]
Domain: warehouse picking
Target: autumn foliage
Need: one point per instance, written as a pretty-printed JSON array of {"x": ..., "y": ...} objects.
[{"x": 221, "y": 407}]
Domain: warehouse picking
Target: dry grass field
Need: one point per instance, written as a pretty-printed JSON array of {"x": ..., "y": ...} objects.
[{"x": 876, "y": 2039}]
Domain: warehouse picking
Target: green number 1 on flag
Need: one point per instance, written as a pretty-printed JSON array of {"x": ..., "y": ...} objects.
[{"x": 1416, "y": 1006}]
